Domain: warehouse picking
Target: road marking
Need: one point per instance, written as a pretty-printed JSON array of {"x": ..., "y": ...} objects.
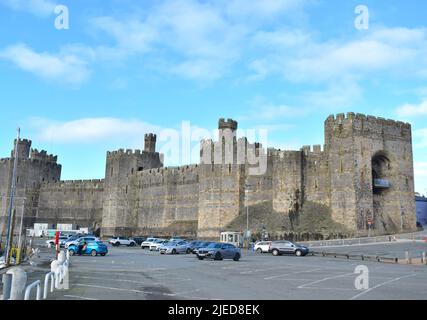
[
  {"x": 286, "y": 274},
  {"x": 381, "y": 284},
  {"x": 133, "y": 281},
  {"x": 324, "y": 279},
  {"x": 136, "y": 291},
  {"x": 78, "y": 297}
]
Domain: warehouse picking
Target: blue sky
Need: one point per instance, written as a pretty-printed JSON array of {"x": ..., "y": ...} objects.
[{"x": 127, "y": 67}]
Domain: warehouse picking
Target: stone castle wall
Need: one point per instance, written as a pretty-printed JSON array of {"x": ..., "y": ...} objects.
[{"x": 140, "y": 196}]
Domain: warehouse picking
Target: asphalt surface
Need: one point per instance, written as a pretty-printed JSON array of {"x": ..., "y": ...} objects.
[{"x": 132, "y": 273}]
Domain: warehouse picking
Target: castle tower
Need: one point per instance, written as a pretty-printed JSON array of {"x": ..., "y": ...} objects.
[
  {"x": 371, "y": 173},
  {"x": 225, "y": 150},
  {"x": 150, "y": 142},
  {"x": 121, "y": 166},
  {"x": 24, "y": 147}
]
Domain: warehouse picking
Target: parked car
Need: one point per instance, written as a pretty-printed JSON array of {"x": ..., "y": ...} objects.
[
  {"x": 191, "y": 246},
  {"x": 201, "y": 245},
  {"x": 93, "y": 248},
  {"x": 77, "y": 241},
  {"x": 155, "y": 246},
  {"x": 278, "y": 248},
  {"x": 150, "y": 241},
  {"x": 122, "y": 241},
  {"x": 219, "y": 251},
  {"x": 61, "y": 240},
  {"x": 147, "y": 243},
  {"x": 174, "y": 247},
  {"x": 262, "y": 246},
  {"x": 139, "y": 240}
]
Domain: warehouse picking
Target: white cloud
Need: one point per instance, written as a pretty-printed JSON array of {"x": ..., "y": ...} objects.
[
  {"x": 298, "y": 57},
  {"x": 413, "y": 110},
  {"x": 40, "y": 8},
  {"x": 62, "y": 67},
  {"x": 90, "y": 130}
]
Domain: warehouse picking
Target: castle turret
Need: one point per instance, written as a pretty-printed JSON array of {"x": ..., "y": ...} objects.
[
  {"x": 150, "y": 142},
  {"x": 24, "y": 147}
]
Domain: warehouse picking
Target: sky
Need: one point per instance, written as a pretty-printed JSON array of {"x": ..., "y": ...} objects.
[{"x": 122, "y": 68}]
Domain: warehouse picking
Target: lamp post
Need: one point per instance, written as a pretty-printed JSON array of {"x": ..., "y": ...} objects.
[
  {"x": 11, "y": 203},
  {"x": 247, "y": 186}
]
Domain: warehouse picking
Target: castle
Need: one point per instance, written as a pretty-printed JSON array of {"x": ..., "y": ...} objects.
[{"x": 363, "y": 175}]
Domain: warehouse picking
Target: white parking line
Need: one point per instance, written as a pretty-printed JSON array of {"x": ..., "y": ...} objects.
[
  {"x": 324, "y": 279},
  {"x": 133, "y": 281},
  {"x": 381, "y": 284},
  {"x": 137, "y": 291},
  {"x": 78, "y": 297},
  {"x": 287, "y": 274}
]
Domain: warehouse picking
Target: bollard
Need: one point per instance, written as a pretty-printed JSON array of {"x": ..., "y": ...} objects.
[
  {"x": 61, "y": 257},
  {"x": 408, "y": 258},
  {"x": 7, "y": 286},
  {"x": 423, "y": 259},
  {"x": 19, "y": 280}
]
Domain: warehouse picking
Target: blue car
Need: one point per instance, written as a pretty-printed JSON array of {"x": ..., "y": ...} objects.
[{"x": 93, "y": 248}]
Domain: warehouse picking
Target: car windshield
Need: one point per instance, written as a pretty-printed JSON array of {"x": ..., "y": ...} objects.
[{"x": 214, "y": 246}]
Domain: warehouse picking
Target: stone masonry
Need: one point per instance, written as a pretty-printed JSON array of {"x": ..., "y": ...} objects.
[{"x": 363, "y": 175}]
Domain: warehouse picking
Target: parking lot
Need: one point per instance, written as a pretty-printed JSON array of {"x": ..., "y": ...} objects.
[{"x": 132, "y": 273}]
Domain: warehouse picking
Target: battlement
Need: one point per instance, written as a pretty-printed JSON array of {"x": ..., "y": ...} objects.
[
  {"x": 43, "y": 156},
  {"x": 341, "y": 118},
  {"x": 170, "y": 170},
  {"x": 127, "y": 152},
  {"x": 281, "y": 154},
  {"x": 75, "y": 183},
  {"x": 227, "y": 124},
  {"x": 25, "y": 141},
  {"x": 315, "y": 149}
]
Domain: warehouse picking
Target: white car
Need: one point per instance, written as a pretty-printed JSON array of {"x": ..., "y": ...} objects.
[
  {"x": 262, "y": 246},
  {"x": 155, "y": 246},
  {"x": 147, "y": 243},
  {"x": 62, "y": 240},
  {"x": 82, "y": 239},
  {"x": 122, "y": 241}
]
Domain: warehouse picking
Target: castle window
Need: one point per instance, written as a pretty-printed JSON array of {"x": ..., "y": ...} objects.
[
  {"x": 140, "y": 168},
  {"x": 132, "y": 171},
  {"x": 112, "y": 171}
]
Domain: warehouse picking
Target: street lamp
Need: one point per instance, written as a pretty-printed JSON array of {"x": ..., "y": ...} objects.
[{"x": 247, "y": 189}]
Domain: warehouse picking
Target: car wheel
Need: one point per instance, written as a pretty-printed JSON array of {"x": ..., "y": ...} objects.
[
  {"x": 117, "y": 244},
  {"x": 275, "y": 252},
  {"x": 298, "y": 253},
  {"x": 188, "y": 251},
  {"x": 72, "y": 252},
  {"x": 236, "y": 257},
  {"x": 218, "y": 256},
  {"x": 173, "y": 251},
  {"x": 93, "y": 253},
  {"x": 201, "y": 258},
  {"x": 259, "y": 250},
  {"x": 132, "y": 244}
]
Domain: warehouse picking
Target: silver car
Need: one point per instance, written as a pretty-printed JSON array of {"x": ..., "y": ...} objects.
[
  {"x": 174, "y": 248},
  {"x": 219, "y": 251}
]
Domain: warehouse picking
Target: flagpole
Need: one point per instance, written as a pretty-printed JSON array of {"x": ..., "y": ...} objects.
[{"x": 11, "y": 200}]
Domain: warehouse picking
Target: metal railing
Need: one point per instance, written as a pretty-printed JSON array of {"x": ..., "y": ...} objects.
[
  {"x": 35, "y": 284},
  {"x": 51, "y": 276}
]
